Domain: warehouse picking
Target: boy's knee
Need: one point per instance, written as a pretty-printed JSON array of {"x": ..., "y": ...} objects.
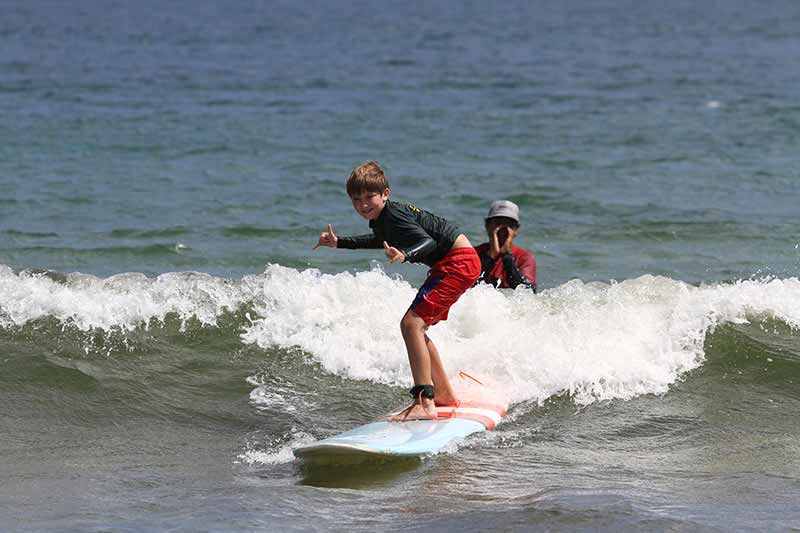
[
  {"x": 411, "y": 323},
  {"x": 406, "y": 326}
]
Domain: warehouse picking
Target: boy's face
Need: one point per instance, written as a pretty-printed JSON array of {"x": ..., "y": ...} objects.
[{"x": 370, "y": 204}]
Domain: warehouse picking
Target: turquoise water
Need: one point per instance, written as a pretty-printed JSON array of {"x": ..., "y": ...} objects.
[{"x": 168, "y": 335}]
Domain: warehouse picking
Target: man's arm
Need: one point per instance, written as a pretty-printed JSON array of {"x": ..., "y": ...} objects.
[
  {"x": 487, "y": 264},
  {"x": 522, "y": 272}
]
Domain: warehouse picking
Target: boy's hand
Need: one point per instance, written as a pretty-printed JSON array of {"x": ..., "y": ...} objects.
[
  {"x": 394, "y": 255},
  {"x": 327, "y": 238}
]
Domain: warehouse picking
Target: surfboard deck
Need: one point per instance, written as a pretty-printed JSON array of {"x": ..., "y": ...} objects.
[{"x": 480, "y": 409}]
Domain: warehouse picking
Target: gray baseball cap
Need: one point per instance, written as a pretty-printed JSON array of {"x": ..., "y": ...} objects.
[{"x": 503, "y": 208}]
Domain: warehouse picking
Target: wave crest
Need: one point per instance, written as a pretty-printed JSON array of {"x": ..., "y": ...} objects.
[{"x": 594, "y": 341}]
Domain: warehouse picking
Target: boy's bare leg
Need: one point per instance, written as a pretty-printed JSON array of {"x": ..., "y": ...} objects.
[
  {"x": 444, "y": 391},
  {"x": 413, "y": 329}
]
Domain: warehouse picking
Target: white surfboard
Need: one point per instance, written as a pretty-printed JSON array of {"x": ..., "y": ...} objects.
[{"x": 480, "y": 409}]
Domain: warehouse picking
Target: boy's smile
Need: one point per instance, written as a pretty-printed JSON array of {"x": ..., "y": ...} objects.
[{"x": 370, "y": 204}]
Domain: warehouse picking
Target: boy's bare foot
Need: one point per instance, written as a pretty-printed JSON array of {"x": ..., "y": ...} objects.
[
  {"x": 449, "y": 401},
  {"x": 416, "y": 411}
]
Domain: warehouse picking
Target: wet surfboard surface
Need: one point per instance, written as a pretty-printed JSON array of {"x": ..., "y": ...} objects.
[{"x": 480, "y": 409}]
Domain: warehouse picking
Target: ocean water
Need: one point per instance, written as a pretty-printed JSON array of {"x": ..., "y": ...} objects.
[{"x": 168, "y": 335}]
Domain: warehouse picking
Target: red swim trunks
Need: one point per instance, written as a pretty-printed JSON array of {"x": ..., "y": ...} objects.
[{"x": 447, "y": 280}]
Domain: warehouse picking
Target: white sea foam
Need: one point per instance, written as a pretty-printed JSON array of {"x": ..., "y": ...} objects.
[
  {"x": 123, "y": 301},
  {"x": 596, "y": 341},
  {"x": 276, "y": 453},
  {"x": 269, "y": 397},
  {"x": 349, "y": 322}
]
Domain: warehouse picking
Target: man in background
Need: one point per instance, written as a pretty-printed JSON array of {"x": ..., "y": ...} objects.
[{"x": 504, "y": 265}]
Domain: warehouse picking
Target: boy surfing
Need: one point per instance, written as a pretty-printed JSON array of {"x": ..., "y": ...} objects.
[{"x": 407, "y": 233}]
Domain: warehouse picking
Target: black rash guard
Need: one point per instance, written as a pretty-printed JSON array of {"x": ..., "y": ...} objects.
[{"x": 422, "y": 236}]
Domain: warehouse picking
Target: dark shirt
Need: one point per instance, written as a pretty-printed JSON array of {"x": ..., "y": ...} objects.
[
  {"x": 507, "y": 271},
  {"x": 422, "y": 236}
]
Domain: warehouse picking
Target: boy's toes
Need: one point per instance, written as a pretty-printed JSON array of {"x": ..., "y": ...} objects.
[{"x": 413, "y": 412}]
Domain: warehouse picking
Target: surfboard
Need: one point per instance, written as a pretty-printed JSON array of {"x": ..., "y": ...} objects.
[{"x": 480, "y": 409}]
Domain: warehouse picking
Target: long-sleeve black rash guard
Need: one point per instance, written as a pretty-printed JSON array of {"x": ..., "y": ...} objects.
[{"x": 422, "y": 236}]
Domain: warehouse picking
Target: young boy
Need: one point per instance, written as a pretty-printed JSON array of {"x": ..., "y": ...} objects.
[{"x": 407, "y": 233}]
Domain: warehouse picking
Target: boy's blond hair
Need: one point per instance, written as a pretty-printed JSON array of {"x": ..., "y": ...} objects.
[{"x": 367, "y": 177}]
